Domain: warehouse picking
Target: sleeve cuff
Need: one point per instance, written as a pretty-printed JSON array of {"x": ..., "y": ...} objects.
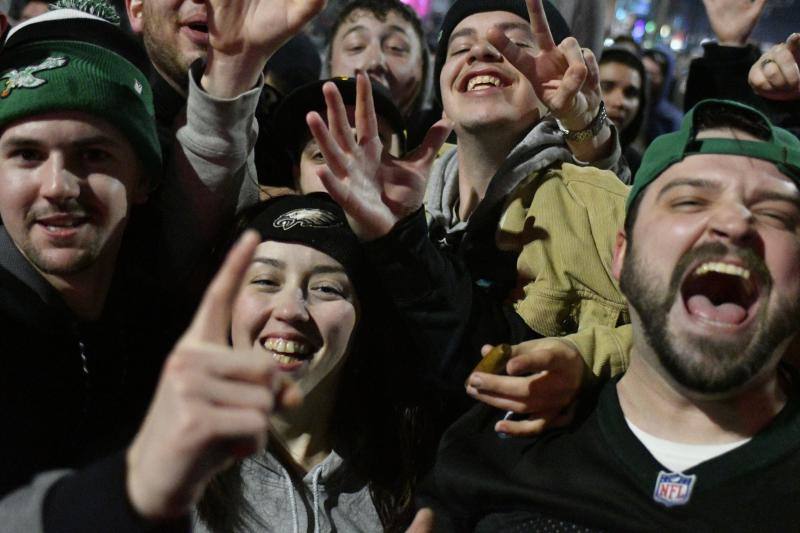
[{"x": 219, "y": 123}]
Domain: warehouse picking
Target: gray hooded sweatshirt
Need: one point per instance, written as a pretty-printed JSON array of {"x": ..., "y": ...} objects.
[{"x": 321, "y": 502}]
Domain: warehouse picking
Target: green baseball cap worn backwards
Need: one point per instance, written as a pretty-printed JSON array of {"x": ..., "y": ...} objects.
[
  {"x": 781, "y": 148},
  {"x": 68, "y": 60}
]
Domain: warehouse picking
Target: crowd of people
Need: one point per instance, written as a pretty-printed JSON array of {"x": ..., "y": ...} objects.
[{"x": 501, "y": 285}]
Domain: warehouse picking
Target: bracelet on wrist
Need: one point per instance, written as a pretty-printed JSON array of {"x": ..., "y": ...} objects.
[{"x": 590, "y": 131}]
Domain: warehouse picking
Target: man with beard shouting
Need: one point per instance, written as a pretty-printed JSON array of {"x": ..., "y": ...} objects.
[{"x": 703, "y": 430}]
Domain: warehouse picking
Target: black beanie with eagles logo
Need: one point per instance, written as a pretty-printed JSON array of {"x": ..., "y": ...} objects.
[{"x": 313, "y": 220}]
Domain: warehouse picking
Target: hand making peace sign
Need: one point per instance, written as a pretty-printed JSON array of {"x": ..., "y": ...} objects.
[{"x": 564, "y": 76}]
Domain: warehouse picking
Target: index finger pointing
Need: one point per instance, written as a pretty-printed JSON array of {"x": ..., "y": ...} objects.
[
  {"x": 212, "y": 319},
  {"x": 539, "y": 25}
]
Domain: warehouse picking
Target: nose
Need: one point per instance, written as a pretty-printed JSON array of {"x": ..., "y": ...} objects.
[
  {"x": 733, "y": 223},
  {"x": 375, "y": 61},
  {"x": 290, "y": 305},
  {"x": 614, "y": 98},
  {"x": 482, "y": 50},
  {"x": 58, "y": 183}
]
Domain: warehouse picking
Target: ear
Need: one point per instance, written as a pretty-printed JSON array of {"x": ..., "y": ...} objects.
[
  {"x": 620, "y": 247},
  {"x": 135, "y": 10}
]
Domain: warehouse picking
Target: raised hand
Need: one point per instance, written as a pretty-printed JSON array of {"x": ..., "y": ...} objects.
[
  {"x": 565, "y": 77},
  {"x": 243, "y": 34},
  {"x": 211, "y": 406},
  {"x": 733, "y": 20},
  {"x": 374, "y": 188},
  {"x": 544, "y": 377},
  {"x": 776, "y": 74}
]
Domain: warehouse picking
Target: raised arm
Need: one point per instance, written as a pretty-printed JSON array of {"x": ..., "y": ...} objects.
[
  {"x": 733, "y": 20},
  {"x": 243, "y": 35},
  {"x": 566, "y": 80}
]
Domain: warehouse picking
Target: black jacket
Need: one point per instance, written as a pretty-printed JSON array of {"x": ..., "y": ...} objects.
[
  {"x": 596, "y": 475},
  {"x": 73, "y": 393}
]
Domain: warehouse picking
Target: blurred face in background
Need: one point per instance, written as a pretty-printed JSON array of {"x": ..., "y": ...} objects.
[
  {"x": 622, "y": 92},
  {"x": 388, "y": 50},
  {"x": 175, "y": 33}
]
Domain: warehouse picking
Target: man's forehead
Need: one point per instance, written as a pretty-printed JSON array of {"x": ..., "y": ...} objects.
[
  {"x": 720, "y": 171},
  {"x": 481, "y": 22}
]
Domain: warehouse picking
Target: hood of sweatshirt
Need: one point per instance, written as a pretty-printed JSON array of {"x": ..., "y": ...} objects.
[{"x": 541, "y": 147}]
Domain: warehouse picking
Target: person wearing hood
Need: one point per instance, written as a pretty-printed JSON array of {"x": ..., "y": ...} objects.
[
  {"x": 489, "y": 259},
  {"x": 623, "y": 79},
  {"x": 663, "y": 116}
]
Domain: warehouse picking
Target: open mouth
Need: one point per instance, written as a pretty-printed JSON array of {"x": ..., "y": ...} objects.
[
  {"x": 288, "y": 352},
  {"x": 483, "y": 81},
  {"x": 198, "y": 26},
  {"x": 720, "y": 292}
]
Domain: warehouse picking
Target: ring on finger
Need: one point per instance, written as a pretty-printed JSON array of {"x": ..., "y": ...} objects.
[{"x": 766, "y": 61}]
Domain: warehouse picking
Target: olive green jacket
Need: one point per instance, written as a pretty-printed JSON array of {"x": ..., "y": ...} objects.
[{"x": 563, "y": 223}]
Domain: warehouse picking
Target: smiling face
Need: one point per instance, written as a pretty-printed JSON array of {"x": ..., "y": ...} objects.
[
  {"x": 175, "y": 33},
  {"x": 622, "y": 92},
  {"x": 388, "y": 50},
  {"x": 712, "y": 270},
  {"x": 299, "y": 306},
  {"x": 481, "y": 90},
  {"x": 67, "y": 183}
]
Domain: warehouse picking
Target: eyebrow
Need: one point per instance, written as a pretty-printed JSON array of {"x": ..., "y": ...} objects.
[
  {"x": 688, "y": 182},
  {"x": 360, "y": 27},
  {"x": 19, "y": 140},
  {"x": 793, "y": 199},
  {"x": 353, "y": 29},
  {"x": 318, "y": 269},
  {"x": 269, "y": 262},
  {"x": 504, "y": 26},
  {"x": 398, "y": 29},
  {"x": 713, "y": 185},
  {"x": 524, "y": 26}
]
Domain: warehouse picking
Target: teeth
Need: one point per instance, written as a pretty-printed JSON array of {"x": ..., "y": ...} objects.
[
  {"x": 483, "y": 80},
  {"x": 286, "y": 346},
  {"x": 722, "y": 268},
  {"x": 283, "y": 359}
]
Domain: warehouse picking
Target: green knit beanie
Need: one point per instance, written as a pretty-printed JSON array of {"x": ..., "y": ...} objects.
[{"x": 66, "y": 60}]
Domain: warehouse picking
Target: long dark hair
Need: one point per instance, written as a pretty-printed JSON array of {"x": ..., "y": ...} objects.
[{"x": 375, "y": 429}]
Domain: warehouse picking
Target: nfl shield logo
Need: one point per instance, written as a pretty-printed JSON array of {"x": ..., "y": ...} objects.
[{"x": 673, "y": 488}]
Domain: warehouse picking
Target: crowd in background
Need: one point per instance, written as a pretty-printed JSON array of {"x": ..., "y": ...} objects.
[{"x": 266, "y": 266}]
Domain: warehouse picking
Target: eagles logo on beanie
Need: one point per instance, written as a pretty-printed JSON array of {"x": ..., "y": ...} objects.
[
  {"x": 313, "y": 220},
  {"x": 73, "y": 60}
]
